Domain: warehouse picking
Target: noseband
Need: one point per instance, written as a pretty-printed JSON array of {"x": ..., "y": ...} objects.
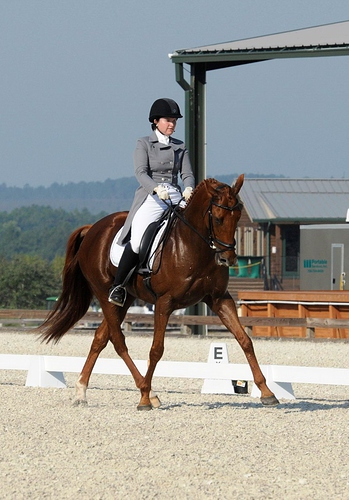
[{"x": 213, "y": 240}]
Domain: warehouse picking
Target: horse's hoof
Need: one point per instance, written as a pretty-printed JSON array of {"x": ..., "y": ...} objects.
[
  {"x": 80, "y": 402},
  {"x": 144, "y": 407},
  {"x": 155, "y": 402},
  {"x": 270, "y": 401}
]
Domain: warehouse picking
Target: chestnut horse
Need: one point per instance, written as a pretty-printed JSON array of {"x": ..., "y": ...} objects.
[{"x": 191, "y": 266}]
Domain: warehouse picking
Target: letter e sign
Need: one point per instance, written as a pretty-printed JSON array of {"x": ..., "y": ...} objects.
[{"x": 218, "y": 353}]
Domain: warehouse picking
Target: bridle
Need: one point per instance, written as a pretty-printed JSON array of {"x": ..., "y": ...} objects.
[{"x": 213, "y": 240}]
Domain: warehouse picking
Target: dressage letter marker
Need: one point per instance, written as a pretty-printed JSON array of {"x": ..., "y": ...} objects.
[{"x": 218, "y": 354}]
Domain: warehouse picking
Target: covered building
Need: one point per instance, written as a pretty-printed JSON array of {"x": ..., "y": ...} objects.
[{"x": 269, "y": 229}]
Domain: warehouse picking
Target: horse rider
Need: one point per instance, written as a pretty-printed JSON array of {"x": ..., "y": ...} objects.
[{"x": 158, "y": 160}]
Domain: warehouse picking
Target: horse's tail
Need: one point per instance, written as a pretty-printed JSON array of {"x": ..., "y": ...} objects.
[{"x": 76, "y": 295}]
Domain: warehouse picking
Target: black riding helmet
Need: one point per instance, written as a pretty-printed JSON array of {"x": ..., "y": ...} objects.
[{"x": 164, "y": 107}]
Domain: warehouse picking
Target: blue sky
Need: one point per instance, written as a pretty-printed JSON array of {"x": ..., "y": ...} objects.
[{"x": 78, "y": 77}]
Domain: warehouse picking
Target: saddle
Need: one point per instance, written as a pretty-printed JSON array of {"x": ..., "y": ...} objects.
[
  {"x": 149, "y": 236},
  {"x": 146, "y": 251}
]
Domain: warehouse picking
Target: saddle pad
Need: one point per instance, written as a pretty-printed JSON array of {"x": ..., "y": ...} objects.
[{"x": 116, "y": 249}]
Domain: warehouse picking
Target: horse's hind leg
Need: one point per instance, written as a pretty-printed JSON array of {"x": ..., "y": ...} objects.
[
  {"x": 226, "y": 310},
  {"x": 98, "y": 344},
  {"x": 110, "y": 329}
]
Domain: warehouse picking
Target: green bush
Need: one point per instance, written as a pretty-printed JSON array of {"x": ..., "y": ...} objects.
[{"x": 26, "y": 281}]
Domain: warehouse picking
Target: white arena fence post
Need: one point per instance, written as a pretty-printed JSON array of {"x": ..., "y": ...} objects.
[
  {"x": 282, "y": 390},
  {"x": 39, "y": 376}
]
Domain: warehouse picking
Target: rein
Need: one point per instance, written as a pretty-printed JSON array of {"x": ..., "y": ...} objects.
[{"x": 212, "y": 240}]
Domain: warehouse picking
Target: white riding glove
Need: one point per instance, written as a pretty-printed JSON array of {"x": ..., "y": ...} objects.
[
  {"x": 187, "y": 193},
  {"x": 162, "y": 192}
]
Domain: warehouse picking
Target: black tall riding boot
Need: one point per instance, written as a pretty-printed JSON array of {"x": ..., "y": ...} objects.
[{"x": 128, "y": 262}]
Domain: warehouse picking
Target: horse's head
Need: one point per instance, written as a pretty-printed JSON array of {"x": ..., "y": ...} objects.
[{"x": 223, "y": 215}]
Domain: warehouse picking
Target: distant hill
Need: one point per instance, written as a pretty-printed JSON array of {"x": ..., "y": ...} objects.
[{"x": 108, "y": 196}]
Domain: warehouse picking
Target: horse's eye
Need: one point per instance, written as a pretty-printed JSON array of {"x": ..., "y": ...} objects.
[{"x": 218, "y": 221}]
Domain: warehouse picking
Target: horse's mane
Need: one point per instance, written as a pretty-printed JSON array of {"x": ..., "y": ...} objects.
[{"x": 210, "y": 180}]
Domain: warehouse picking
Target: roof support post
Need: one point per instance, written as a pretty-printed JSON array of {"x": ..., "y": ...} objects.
[
  {"x": 195, "y": 140},
  {"x": 195, "y": 116},
  {"x": 197, "y": 121}
]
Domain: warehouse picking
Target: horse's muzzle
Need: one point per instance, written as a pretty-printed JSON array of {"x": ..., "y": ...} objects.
[{"x": 226, "y": 259}]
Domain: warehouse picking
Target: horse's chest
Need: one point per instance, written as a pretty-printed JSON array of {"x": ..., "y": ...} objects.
[{"x": 210, "y": 283}]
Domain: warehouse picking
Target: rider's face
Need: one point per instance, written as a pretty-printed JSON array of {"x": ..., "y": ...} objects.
[{"x": 166, "y": 125}]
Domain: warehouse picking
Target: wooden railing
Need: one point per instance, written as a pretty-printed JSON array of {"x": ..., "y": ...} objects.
[
  {"x": 30, "y": 318},
  {"x": 183, "y": 321}
]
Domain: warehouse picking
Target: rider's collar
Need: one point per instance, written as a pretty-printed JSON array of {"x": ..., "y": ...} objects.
[{"x": 164, "y": 139}]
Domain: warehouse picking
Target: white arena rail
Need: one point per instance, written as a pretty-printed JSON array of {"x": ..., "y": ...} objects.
[{"x": 48, "y": 371}]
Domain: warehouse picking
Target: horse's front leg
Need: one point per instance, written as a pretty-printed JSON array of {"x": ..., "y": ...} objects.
[
  {"x": 226, "y": 310},
  {"x": 149, "y": 400},
  {"x": 98, "y": 344}
]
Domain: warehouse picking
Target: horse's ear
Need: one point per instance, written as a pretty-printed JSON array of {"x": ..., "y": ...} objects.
[{"x": 238, "y": 183}]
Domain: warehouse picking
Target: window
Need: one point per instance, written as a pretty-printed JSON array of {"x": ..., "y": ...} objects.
[
  {"x": 291, "y": 245},
  {"x": 260, "y": 249},
  {"x": 248, "y": 241}
]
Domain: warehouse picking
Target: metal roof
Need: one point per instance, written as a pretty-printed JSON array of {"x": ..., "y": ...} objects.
[
  {"x": 325, "y": 40},
  {"x": 296, "y": 200}
]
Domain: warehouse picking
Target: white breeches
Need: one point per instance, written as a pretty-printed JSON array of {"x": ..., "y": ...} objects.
[{"x": 150, "y": 211}]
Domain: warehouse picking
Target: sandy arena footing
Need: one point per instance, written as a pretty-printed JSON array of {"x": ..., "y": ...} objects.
[{"x": 195, "y": 446}]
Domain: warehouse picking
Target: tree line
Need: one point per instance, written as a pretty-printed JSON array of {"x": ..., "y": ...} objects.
[
  {"x": 112, "y": 195},
  {"x": 26, "y": 281},
  {"x": 32, "y": 251}
]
